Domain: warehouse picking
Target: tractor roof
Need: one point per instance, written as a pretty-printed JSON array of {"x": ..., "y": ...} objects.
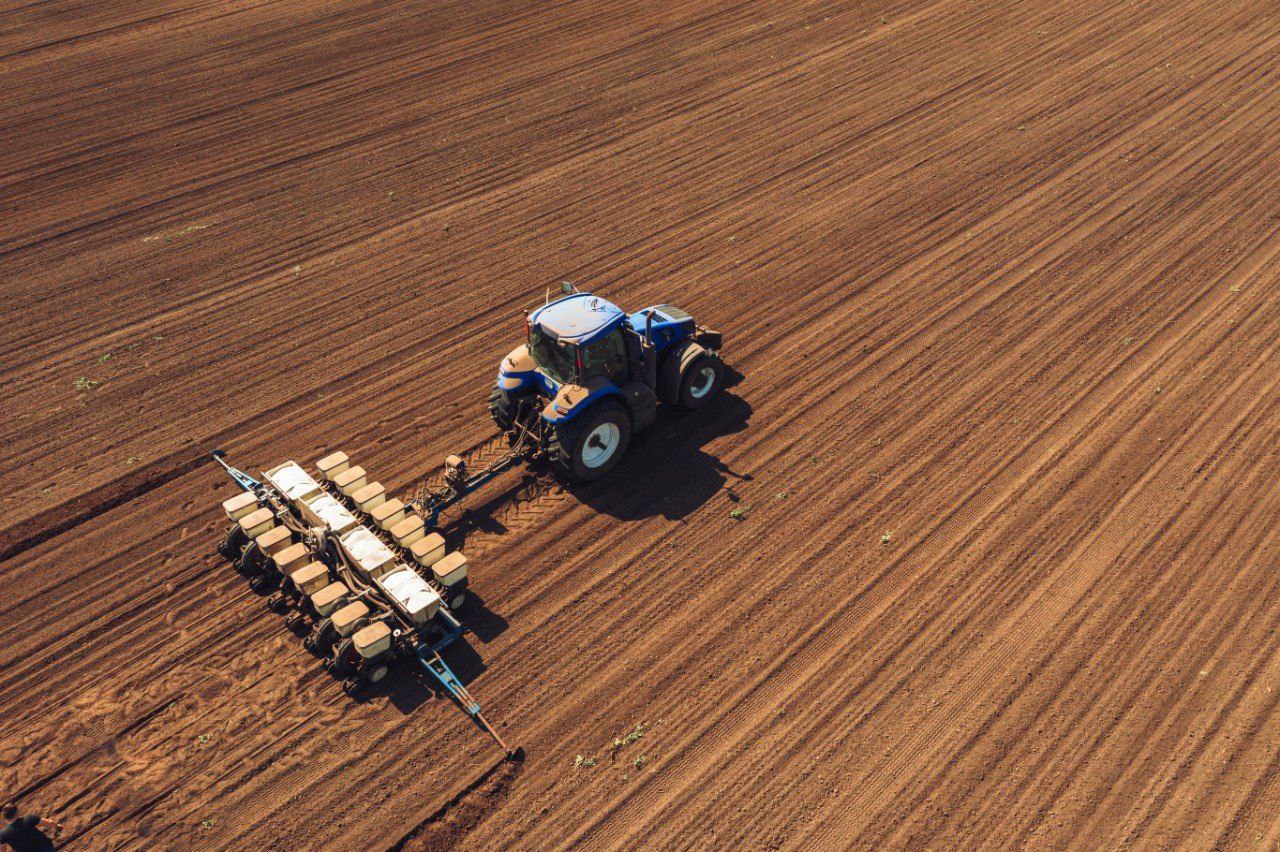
[{"x": 580, "y": 318}]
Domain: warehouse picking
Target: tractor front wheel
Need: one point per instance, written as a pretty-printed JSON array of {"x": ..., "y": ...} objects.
[
  {"x": 504, "y": 407},
  {"x": 588, "y": 446},
  {"x": 701, "y": 381}
]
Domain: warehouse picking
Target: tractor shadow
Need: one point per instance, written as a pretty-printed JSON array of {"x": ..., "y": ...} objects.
[{"x": 666, "y": 471}]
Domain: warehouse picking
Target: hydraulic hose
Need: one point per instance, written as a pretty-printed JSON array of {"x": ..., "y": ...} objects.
[{"x": 351, "y": 576}]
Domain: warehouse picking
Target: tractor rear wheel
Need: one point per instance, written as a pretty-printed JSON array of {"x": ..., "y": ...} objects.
[{"x": 588, "y": 446}]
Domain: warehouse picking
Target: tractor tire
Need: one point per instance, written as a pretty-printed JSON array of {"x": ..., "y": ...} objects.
[
  {"x": 504, "y": 406},
  {"x": 296, "y": 623},
  {"x": 590, "y": 445},
  {"x": 351, "y": 686},
  {"x": 701, "y": 382},
  {"x": 278, "y": 603}
]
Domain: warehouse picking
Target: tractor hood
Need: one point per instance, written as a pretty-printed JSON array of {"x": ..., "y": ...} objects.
[
  {"x": 578, "y": 319},
  {"x": 669, "y": 325}
]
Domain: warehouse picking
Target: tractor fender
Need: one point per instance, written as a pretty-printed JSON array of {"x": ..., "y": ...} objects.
[
  {"x": 517, "y": 370},
  {"x": 672, "y": 369},
  {"x": 572, "y": 400}
]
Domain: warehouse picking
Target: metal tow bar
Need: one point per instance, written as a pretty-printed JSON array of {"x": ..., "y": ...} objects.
[
  {"x": 439, "y": 669},
  {"x": 244, "y": 480},
  {"x": 431, "y": 506}
]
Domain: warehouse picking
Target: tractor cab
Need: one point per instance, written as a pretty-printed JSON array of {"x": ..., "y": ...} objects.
[{"x": 578, "y": 338}]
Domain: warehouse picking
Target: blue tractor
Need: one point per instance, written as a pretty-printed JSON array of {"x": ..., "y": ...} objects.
[{"x": 590, "y": 375}]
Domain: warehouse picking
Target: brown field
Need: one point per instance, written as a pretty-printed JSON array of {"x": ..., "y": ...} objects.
[{"x": 1000, "y": 282}]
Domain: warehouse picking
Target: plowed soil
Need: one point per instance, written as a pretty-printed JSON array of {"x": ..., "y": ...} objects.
[{"x": 999, "y": 282}]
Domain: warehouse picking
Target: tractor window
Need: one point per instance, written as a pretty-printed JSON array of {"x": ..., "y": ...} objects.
[
  {"x": 554, "y": 360},
  {"x": 606, "y": 357}
]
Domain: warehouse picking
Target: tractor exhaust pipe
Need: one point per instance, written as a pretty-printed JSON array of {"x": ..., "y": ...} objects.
[{"x": 648, "y": 353}]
